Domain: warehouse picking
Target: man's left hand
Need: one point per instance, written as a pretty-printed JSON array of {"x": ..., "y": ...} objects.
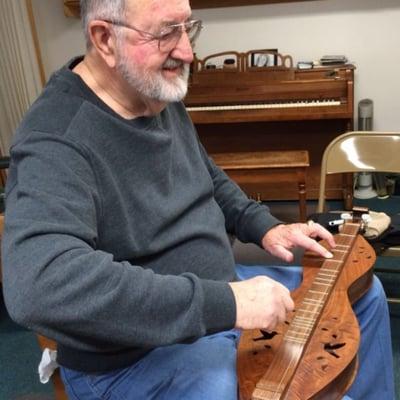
[{"x": 281, "y": 238}]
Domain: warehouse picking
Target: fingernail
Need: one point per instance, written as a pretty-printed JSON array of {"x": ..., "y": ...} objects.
[{"x": 328, "y": 255}]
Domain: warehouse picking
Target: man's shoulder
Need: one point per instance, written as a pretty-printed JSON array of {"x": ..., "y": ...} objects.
[
  {"x": 60, "y": 104},
  {"x": 52, "y": 112}
]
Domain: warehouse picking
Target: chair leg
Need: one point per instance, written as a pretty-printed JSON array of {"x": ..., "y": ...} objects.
[
  {"x": 56, "y": 378},
  {"x": 59, "y": 386},
  {"x": 302, "y": 202}
]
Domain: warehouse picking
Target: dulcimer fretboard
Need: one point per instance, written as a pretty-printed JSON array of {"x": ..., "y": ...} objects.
[{"x": 308, "y": 314}]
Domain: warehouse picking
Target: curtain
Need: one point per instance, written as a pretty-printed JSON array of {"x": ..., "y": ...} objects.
[{"x": 20, "y": 82}]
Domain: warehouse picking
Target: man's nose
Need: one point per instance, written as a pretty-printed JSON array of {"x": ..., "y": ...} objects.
[{"x": 183, "y": 50}]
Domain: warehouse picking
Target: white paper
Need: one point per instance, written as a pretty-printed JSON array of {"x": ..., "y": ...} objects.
[{"x": 47, "y": 365}]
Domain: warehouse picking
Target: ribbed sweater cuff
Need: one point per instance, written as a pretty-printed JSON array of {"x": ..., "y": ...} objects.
[{"x": 219, "y": 306}]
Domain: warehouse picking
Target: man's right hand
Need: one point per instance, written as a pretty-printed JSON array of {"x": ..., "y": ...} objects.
[{"x": 261, "y": 303}]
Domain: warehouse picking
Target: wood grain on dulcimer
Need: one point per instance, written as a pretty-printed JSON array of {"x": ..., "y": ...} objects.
[{"x": 313, "y": 355}]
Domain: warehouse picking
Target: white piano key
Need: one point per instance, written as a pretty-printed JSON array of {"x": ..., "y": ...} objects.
[{"x": 233, "y": 107}]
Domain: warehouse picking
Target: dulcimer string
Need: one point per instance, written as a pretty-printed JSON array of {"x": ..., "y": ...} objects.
[{"x": 308, "y": 314}]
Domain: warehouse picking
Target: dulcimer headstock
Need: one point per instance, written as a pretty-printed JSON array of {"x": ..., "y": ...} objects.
[
  {"x": 352, "y": 223},
  {"x": 359, "y": 215}
]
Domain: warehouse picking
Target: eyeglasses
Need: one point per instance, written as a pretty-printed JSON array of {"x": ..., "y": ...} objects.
[{"x": 170, "y": 35}]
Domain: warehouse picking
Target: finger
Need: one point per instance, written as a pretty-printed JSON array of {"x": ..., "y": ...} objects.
[
  {"x": 318, "y": 230},
  {"x": 282, "y": 253},
  {"x": 289, "y": 303},
  {"x": 312, "y": 245},
  {"x": 271, "y": 323},
  {"x": 281, "y": 314}
]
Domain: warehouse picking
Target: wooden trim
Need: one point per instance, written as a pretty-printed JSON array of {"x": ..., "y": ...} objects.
[
  {"x": 71, "y": 7},
  {"x": 36, "y": 44},
  {"x": 235, "y": 3}
]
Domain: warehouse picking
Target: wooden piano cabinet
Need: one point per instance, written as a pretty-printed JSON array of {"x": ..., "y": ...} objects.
[{"x": 274, "y": 109}]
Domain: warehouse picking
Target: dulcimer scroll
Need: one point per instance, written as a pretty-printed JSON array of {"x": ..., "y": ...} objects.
[{"x": 313, "y": 355}]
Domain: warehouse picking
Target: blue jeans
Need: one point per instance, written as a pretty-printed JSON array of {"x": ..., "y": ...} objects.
[{"x": 206, "y": 369}]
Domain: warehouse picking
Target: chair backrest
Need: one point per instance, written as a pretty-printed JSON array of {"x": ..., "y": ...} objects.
[
  {"x": 4, "y": 164},
  {"x": 359, "y": 151},
  {"x": 1, "y": 234}
]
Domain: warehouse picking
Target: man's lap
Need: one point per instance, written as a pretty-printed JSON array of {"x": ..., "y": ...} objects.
[{"x": 204, "y": 369}]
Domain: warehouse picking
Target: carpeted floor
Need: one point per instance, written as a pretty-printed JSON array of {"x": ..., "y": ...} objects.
[{"x": 19, "y": 357}]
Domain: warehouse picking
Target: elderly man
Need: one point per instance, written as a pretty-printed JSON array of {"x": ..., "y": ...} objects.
[{"x": 116, "y": 225}]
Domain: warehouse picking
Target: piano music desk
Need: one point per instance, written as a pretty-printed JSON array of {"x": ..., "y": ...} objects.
[{"x": 277, "y": 167}]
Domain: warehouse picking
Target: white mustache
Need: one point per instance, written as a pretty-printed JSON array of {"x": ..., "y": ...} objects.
[{"x": 172, "y": 63}]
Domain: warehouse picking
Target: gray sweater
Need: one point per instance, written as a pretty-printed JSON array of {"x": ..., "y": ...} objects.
[{"x": 115, "y": 238}]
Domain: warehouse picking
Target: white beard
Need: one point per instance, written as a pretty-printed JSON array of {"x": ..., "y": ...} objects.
[{"x": 154, "y": 85}]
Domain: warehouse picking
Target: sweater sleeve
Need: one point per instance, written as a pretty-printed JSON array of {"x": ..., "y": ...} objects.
[
  {"x": 245, "y": 218},
  {"x": 59, "y": 283}
]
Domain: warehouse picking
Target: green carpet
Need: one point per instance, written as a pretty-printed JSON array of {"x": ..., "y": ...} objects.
[{"x": 19, "y": 357}]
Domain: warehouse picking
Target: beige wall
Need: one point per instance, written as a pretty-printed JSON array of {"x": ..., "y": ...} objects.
[{"x": 367, "y": 31}]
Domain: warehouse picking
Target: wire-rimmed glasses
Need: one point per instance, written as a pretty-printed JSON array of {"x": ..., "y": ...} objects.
[{"x": 169, "y": 35}]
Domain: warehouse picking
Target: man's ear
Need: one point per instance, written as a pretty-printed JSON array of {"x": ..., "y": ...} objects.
[{"x": 103, "y": 40}]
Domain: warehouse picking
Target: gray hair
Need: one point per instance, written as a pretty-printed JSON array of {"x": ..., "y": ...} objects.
[{"x": 113, "y": 10}]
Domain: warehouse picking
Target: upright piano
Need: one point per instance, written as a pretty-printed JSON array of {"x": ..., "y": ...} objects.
[{"x": 250, "y": 108}]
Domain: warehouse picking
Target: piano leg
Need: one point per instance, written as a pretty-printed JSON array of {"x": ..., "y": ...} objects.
[{"x": 302, "y": 199}]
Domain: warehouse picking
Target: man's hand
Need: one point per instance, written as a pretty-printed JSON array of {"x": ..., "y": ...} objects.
[
  {"x": 261, "y": 303},
  {"x": 281, "y": 238}
]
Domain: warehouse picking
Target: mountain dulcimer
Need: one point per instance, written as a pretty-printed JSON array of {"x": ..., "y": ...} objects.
[{"x": 312, "y": 355}]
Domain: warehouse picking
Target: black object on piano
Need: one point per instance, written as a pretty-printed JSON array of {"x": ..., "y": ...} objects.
[{"x": 333, "y": 59}]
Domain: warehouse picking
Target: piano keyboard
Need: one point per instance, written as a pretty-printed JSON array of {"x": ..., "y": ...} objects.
[{"x": 262, "y": 106}]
